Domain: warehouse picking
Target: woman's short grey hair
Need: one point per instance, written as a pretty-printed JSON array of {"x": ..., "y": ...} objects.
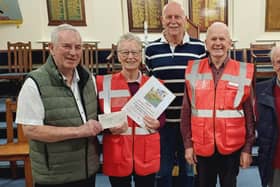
[
  {"x": 129, "y": 37},
  {"x": 62, "y": 27},
  {"x": 272, "y": 52}
]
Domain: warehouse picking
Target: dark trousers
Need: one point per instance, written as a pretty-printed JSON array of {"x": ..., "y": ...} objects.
[
  {"x": 90, "y": 182},
  {"x": 224, "y": 166},
  {"x": 139, "y": 181},
  {"x": 171, "y": 144}
]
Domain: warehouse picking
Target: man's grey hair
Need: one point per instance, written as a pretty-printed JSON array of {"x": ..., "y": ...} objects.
[
  {"x": 218, "y": 23},
  {"x": 129, "y": 37},
  {"x": 172, "y": 2},
  {"x": 62, "y": 27},
  {"x": 272, "y": 52}
]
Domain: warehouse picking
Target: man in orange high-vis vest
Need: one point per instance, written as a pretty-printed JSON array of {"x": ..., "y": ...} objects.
[
  {"x": 217, "y": 115},
  {"x": 129, "y": 150}
]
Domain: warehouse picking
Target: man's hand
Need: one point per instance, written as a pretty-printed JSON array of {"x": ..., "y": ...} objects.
[
  {"x": 91, "y": 128},
  {"x": 190, "y": 156},
  {"x": 245, "y": 160},
  {"x": 119, "y": 129}
]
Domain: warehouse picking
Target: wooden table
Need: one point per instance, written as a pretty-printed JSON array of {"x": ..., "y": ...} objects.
[{"x": 12, "y": 76}]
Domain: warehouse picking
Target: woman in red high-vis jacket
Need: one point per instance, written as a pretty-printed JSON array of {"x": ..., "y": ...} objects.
[{"x": 128, "y": 149}]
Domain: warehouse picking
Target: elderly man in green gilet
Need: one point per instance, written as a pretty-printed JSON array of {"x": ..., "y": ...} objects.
[{"x": 57, "y": 106}]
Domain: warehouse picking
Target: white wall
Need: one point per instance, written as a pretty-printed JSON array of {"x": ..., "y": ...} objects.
[{"x": 107, "y": 20}]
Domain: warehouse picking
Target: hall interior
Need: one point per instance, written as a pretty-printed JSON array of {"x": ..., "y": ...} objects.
[{"x": 101, "y": 26}]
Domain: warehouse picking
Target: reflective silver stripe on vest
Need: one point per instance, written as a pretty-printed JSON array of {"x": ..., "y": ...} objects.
[
  {"x": 138, "y": 131},
  {"x": 115, "y": 93},
  {"x": 194, "y": 76},
  {"x": 106, "y": 90},
  {"x": 219, "y": 113},
  {"x": 107, "y": 93},
  {"x": 241, "y": 80},
  {"x": 202, "y": 113},
  {"x": 229, "y": 113},
  {"x": 143, "y": 131}
]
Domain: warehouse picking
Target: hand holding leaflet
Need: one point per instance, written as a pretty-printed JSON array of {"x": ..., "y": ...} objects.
[
  {"x": 112, "y": 119},
  {"x": 150, "y": 100}
]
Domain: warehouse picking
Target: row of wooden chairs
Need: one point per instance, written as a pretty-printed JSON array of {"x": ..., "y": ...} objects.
[
  {"x": 87, "y": 60},
  {"x": 20, "y": 56}
]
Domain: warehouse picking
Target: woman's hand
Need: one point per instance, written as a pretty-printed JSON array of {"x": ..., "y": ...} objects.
[
  {"x": 151, "y": 123},
  {"x": 119, "y": 129}
]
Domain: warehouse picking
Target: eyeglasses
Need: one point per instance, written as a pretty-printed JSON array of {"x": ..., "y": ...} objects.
[{"x": 125, "y": 53}]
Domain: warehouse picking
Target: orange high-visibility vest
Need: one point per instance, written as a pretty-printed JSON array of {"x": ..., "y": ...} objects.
[
  {"x": 217, "y": 117},
  {"x": 136, "y": 149}
]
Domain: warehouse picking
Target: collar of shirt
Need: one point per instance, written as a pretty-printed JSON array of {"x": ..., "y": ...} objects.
[
  {"x": 211, "y": 64},
  {"x": 186, "y": 38},
  {"x": 76, "y": 77},
  {"x": 139, "y": 78}
]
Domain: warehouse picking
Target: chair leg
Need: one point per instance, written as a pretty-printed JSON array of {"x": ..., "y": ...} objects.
[
  {"x": 27, "y": 172},
  {"x": 13, "y": 166}
]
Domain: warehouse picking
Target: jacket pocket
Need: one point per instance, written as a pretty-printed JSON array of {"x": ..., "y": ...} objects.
[
  {"x": 235, "y": 132},
  {"x": 152, "y": 147},
  {"x": 198, "y": 132},
  {"x": 113, "y": 146}
]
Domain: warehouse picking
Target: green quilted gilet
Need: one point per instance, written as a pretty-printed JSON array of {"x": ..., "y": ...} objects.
[{"x": 69, "y": 160}]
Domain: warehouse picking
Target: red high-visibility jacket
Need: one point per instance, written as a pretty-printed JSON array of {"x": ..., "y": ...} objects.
[
  {"x": 217, "y": 116},
  {"x": 136, "y": 149}
]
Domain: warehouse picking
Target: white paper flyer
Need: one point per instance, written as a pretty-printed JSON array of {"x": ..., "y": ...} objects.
[{"x": 151, "y": 100}]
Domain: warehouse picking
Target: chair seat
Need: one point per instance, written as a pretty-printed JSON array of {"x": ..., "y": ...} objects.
[{"x": 18, "y": 149}]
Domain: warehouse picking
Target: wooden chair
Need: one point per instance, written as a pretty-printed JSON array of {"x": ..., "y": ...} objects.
[
  {"x": 244, "y": 55},
  {"x": 15, "y": 150},
  {"x": 19, "y": 57},
  {"x": 260, "y": 52},
  {"x": 112, "y": 60},
  {"x": 88, "y": 56},
  {"x": 45, "y": 51},
  {"x": 260, "y": 56},
  {"x": 192, "y": 29}
]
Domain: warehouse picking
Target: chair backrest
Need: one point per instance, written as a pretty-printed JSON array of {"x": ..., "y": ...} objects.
[
  {"x": 88, "y": 55},
  {"x": 19, "y": 57},
  {"x": 45, "y": 51},
  {"x": 11, "y": 107},
  {"x": 112, "y": 60},
  {"x": 244, "y": 55},
  {"x": 260, "y": 52},
  {"x": 192, "y": 29},
  {"x": 260, "y": 56},
  {"x": 113, "y": 64}
]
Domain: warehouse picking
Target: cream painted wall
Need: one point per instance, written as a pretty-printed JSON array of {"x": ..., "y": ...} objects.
[{"x": 107, "y": 20}]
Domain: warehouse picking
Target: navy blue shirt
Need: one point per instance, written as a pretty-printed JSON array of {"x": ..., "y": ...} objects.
[{"x": 169, "y": 65}]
